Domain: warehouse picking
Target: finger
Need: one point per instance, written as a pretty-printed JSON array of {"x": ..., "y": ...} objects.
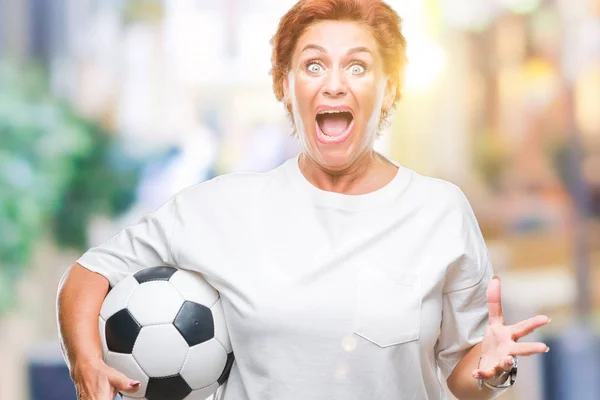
[
  {"x": 528, "y": 349},
  {"x": 105, "y": 391},
  {"x": 122, "y": 383},
  {"x": 494, "y": 300},
  {"x": 485, "y": 374},
  {"x": 504, "y": 364},
  {"x": 507, "y": 363},
  {"x": 527, "y": 326}
]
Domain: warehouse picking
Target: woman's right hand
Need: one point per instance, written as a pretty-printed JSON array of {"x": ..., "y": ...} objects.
[{"x": 94, "y": 380}]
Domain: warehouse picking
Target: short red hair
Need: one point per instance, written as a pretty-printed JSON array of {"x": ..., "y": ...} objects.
[{"x": 385, "y": 25}]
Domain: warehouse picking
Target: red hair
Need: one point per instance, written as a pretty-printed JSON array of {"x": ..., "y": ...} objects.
[{"x": 384, "y": 23}]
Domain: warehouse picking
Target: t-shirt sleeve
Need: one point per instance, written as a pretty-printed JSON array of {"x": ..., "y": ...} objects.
[
  {"x": 144, "y": 244},
  {"x": 464, "y": 303}
]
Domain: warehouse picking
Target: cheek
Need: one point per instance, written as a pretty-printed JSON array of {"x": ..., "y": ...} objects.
[
  {"x": 305, "y": 90},
  {"x": 368, "y": 102},
  {"x": 370, "y": 96}
]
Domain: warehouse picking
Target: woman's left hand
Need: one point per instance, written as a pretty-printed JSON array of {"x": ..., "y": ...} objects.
[{"x": 499, "y": 343}]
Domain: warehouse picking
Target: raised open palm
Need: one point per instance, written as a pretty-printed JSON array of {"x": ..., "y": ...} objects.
[{"x": 499, "y": 345}]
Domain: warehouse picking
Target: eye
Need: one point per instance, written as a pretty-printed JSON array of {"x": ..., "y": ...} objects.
[
  {"x": 357, "y": 69},
  {"x": 314, "y": 67}
]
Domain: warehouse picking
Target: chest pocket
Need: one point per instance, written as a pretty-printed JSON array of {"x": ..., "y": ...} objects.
[{"x": 388, "y": 307}]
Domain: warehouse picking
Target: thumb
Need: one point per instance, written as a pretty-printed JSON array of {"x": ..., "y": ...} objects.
[{"x": 122, "y": 383}]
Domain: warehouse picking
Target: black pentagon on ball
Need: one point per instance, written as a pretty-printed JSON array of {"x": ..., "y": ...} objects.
[
  {"x": 195, "y": 323},
  {"x": 154, "y": 274},
  {"x": 225, "y": 373},
  {"x": 121, "y": 332},
  {"x": 170, "y": 387}
]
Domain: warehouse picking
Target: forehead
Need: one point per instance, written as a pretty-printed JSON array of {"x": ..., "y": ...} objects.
[{"x": 337, "y": 36}]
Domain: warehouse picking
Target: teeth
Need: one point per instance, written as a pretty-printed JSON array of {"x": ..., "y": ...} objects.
[{"x": 332, "y": 112}]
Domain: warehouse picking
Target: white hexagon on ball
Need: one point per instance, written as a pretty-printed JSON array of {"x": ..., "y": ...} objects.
[
  {"x": 204, "y": 364},
  {"x": 193, "y": 287},
  {"x": 221, "y": 332},
  {"x": 202, "y": 394},
  {"x": 160, "y": 360},
  {"x": 117, "y": 298},
  {"x": 149, "y": 309}
]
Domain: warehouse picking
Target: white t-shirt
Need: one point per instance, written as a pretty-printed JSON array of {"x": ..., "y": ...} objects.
[{"x": 326, "y": 295}]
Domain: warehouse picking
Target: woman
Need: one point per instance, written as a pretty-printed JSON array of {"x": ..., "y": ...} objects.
[{"x": 343, "y": 274}]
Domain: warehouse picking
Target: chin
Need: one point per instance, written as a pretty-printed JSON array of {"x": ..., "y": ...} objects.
[{"x": 335, "y": 158}]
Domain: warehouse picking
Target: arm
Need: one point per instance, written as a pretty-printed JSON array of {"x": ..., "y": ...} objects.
[
  {"x": 496, "y": 351},
  {"x": 80, "y": 297},
  {"x": 472, "y": 322},
  {"x": 82, "y": 291}
]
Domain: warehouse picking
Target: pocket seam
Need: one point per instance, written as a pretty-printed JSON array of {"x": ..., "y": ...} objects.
[{"x": 360, "y": 318}]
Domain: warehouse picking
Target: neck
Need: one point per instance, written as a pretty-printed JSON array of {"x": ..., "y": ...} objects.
[{"x": 368, "y": 173}]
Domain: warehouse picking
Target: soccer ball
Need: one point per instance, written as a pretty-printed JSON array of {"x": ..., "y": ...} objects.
[{"x": 165, "y": 328}]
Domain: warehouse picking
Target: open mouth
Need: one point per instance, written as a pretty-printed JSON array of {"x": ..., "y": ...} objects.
[{"x": 334, "y": 125}]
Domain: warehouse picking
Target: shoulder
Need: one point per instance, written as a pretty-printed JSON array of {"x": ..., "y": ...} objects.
[
  {"x": 437, "y": 193},
  {"x": 455, "y": 216},
  {"x": 228, "y": 187}
]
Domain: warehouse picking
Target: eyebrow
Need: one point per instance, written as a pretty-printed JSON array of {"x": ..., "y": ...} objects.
[{"x": 360, "y": 49}]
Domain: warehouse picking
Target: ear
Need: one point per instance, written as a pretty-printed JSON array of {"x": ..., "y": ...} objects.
[
  {"x": 390, "y": 94},
  {"x": 286, "y": 89}
]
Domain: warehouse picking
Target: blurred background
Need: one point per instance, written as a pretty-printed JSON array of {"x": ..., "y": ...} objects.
[{"x": 110, "y": 107}]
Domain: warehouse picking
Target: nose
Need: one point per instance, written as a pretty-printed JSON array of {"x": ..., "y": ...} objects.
[{"x": 335, "y": 84}]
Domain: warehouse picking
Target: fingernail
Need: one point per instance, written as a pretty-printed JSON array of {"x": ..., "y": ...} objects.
[
  {"x": 496, "y": 277},
  {"x": 547, "y": 350},
  {"x": 134, "y": 384},
  {"x": 549, "y": 320}
]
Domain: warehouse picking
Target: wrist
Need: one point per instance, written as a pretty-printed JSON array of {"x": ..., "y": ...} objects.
[
  {"x": 505, "y": 380},
  {"x": 499, "y": 380},
  {"x": 84, "y": 363}
]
